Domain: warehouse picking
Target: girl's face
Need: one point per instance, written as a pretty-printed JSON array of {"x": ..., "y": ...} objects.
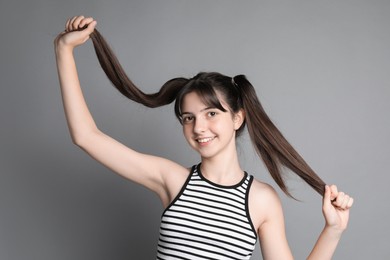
[{"x": 208, "y": 130}]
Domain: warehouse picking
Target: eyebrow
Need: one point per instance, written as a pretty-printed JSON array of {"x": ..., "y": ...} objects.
[{"x": 204, "y": 109}]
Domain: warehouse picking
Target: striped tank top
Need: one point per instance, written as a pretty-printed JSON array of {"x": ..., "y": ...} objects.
[{"x": 208, "y": 221}]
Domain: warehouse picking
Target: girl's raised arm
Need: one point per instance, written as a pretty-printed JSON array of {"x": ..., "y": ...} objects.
[{"x": 155, "y": 173}]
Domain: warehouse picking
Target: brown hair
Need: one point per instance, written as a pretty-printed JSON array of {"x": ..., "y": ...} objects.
[{"x": 238, "y": 93}]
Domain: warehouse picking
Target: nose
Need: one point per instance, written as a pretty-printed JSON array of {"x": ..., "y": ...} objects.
[{"x": 200, "y": 125}]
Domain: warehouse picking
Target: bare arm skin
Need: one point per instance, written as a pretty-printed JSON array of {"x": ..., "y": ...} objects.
[
  {"x": 165, "y": 177},
  {"x": 267, "y": 215},
  {"x": 162, "y": 176},
  {"x": 335, "y": 208}
]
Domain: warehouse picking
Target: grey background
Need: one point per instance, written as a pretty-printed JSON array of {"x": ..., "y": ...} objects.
[{"x": 321, "y": 70}]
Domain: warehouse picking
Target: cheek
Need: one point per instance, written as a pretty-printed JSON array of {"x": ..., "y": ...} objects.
[
  {"x": 228, "y": 122},
  {"x": 222, "y": 126},
  {"x": 187, "y": 132}
]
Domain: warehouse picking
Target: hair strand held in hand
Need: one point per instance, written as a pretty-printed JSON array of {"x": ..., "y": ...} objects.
[{"x": 268, "y": 141}]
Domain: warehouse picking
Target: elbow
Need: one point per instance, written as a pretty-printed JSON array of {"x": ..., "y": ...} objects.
[
  {"x": 78, "y": 140},
  {"x": 82, "y": 139}
]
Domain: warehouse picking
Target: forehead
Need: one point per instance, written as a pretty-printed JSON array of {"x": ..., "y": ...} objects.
[{"x": 193, "y": 102}]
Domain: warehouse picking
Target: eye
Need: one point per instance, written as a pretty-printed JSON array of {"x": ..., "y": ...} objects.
[
  {"x": 187, "y": 119},
  {"x": 212, "y": 113}
]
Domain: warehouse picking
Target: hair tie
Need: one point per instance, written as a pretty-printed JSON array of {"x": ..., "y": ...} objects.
[{"x": 234, "y": 83}]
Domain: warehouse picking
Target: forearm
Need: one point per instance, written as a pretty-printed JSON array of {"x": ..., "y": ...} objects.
[
  {"x": 325, "y": 245},
  {"x": 77, "y": 114}
]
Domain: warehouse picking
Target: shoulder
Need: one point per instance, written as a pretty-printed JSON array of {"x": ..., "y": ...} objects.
[
  {"x": 262, "y": 192},
  {"x": 268, "y": 220},
  {"x": 174, "y": 177},
  {"x": 264, "y": 203}
]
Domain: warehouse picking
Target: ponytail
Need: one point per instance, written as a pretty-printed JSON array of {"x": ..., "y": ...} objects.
[
  {"x": 121, "y": 81},
  {"x": 269, "y": 142}
]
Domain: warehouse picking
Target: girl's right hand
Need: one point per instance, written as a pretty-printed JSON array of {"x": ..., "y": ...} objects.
[
  {"x": 77, "y": 31},
  {"x": 336, "y": 207}
]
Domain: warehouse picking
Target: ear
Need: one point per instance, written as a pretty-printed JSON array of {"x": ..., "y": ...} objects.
[{"x": 238, "y": 119}]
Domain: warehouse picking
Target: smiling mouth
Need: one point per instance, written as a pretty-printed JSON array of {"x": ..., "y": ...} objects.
[{"x": 205, "y": 140}]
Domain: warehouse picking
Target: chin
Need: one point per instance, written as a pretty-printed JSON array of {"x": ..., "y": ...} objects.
[{"x": 206, "y": 154}]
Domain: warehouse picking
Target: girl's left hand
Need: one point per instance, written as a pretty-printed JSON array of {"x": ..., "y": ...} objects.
[{"x": 336, "y": 207}]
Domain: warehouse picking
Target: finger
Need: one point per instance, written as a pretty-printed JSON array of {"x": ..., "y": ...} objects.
[
  {"x": 327, "y": 196},
  {"x": 85, "y": 21},
  {"x": 350, "y": 203},
  {"x": 333, "y": 189},
  {"x": 70, "y": 25},
  {"x": 334, "y": 192},
  {"x": 90, "y": 27},
  {"x": 339, "y": 199},
  {"x": 76, "y": 22},
  {"x": 67, "y": 25},
  {"x": 345, "y": 202}
]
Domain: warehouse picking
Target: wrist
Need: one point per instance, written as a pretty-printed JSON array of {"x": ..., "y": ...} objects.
[
  {"x": 333, "y": 232},
  {"x": 61, "y": 48}
]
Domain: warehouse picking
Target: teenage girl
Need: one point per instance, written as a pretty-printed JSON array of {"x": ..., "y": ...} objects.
[{"x": 214, "y": 210}]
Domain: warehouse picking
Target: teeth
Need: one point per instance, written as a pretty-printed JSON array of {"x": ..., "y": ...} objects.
[{"x": 205, "y": 140}]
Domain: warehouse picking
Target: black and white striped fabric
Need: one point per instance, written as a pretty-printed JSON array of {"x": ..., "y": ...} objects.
[{"x": 208, "y": 221}]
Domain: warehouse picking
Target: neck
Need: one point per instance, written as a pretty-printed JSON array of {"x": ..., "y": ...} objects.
[{"x": 223, "y": 169}]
